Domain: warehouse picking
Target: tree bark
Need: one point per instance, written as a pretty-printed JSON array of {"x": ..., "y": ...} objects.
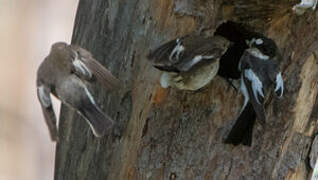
[{"x": 172, "y": 134}]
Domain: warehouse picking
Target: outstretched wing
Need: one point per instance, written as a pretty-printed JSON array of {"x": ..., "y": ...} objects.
[
  {"x": 43, "y": 94},
  {"x": 86, "y": 67}
]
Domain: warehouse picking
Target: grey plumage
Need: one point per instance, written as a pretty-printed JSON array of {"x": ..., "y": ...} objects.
[
  {"x": 189, "y": 62},
  {"x": 65, "y": 73}
]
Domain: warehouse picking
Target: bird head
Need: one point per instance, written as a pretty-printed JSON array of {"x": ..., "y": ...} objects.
[
  {"x": 60, "y": 50},
  {"x": 265, "y": 45}
]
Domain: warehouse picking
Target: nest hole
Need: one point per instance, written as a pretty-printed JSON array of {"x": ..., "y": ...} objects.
[{"x": 237, "y": 34}]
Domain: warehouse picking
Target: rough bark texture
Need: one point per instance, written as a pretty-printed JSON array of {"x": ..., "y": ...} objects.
[{"x": 171, "y": 134}]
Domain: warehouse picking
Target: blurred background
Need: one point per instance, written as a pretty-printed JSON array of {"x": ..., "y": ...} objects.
[{"x": 27, "y": 30}]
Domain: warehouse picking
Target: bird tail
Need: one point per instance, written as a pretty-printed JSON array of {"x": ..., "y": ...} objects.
[
  {"x": 242, "y": 131},
  {"x": 99, "y": 122}
]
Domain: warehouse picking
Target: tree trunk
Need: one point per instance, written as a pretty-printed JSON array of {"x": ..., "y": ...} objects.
[{"x": 172, "y": 134}]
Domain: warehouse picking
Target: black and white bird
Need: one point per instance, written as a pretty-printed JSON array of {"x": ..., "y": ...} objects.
[
  {"x": 301, "y": 8},
  {"x": 189, "y": 62},
  {"x": 259, "y": 70},
  {"x": 66, "y": 72}
]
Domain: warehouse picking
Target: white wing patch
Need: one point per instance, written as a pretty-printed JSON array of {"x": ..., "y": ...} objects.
[
  {"x": 90, "y": 96},
  {"x": 176, "y": 51},
  {"x": 82, "y": 68},
  {"x": 208, "y": 57},
  {"x": 279, "y": 84},
  {"x": 92, "y": 128},
  {"x": 197, "y": 59},
  {"x": 315, "y": 173},
  {"x": 44, "y": 97},
  {"x": 257, "y": 85},
  {"x": 245, "y": 93},
  {"x": 257, "y": 53}
]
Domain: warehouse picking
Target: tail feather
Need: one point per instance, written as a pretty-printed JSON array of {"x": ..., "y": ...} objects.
[
  {"x": 242, "y": 131},
  {"x": 99, "y": 122}
]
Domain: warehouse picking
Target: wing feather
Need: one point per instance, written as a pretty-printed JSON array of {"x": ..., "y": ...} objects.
[
  {"x": 193, "y": 50},
  {"x": 90, "y": 69},
  {"x": 259, "y": 109},
  {"x": 43, "y": 94}
]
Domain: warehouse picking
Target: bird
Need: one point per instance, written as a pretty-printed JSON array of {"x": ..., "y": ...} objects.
[
  {"x": 189, "y": 62},
  {"x": 301, "y": 8},
  {"x": 66, "y": 73},
  {"x": 259, "y": 71}
]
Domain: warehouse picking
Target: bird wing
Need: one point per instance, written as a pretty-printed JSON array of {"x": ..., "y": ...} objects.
[
  {"x": 275, "y": 76},
  {"x": 268, "y": 72},
  {"x": 258, "y": 107},
  {"x": 183, "y": 53},
  {"x": 88, "y": 68},
  {"x": 43, "y": 93},
  {"x": 161, "y": 56},
  {"x": 199, "y": 49},
  {"x": 253, "y": 71},
  {"x": 253, "y": 83}
]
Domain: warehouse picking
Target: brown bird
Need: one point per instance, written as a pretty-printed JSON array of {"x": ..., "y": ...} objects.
[
  {"x": 189, "y": 62},
  {"x": 65, "y": 73}
]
